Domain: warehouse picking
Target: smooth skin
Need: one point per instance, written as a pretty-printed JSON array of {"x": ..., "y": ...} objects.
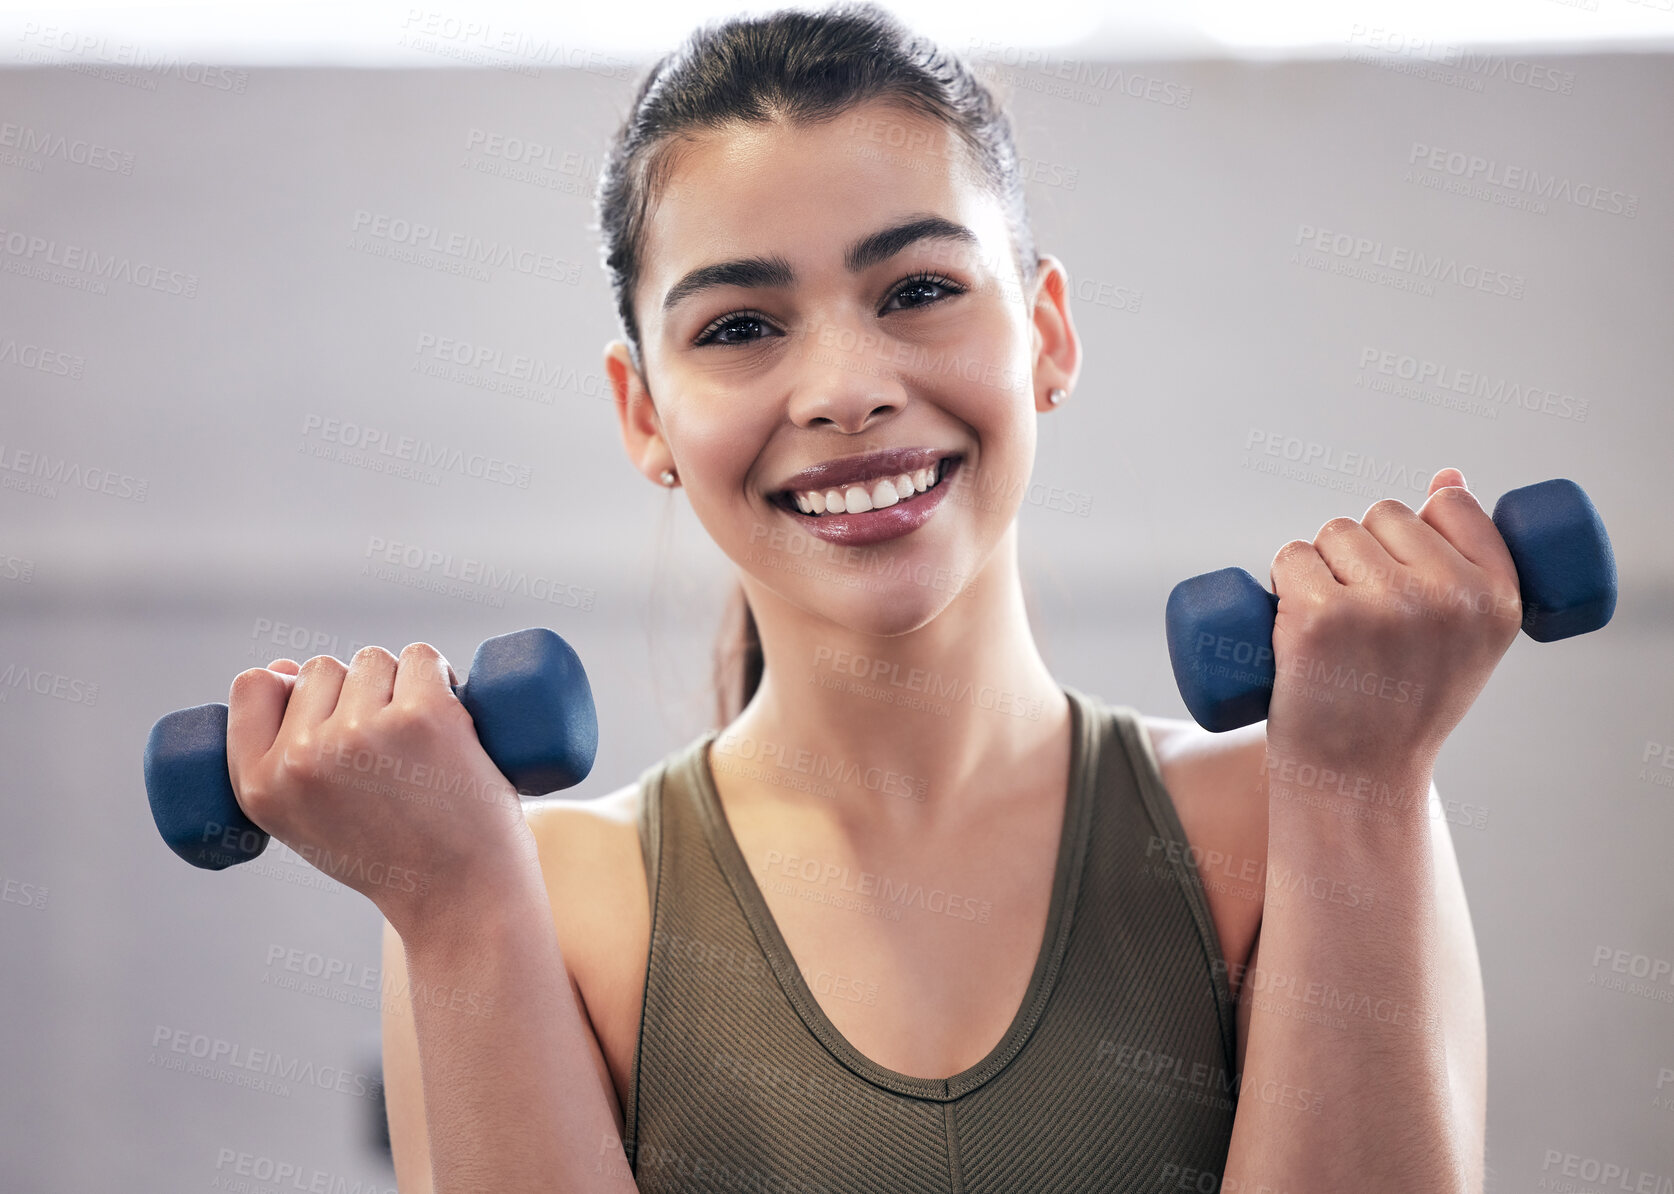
[{"x": 841, "y": 362}]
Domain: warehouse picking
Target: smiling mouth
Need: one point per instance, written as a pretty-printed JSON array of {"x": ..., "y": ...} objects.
[{"x": 874, "y": 493}]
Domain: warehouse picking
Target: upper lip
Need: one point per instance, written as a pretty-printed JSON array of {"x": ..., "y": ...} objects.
[{"x": 891, "y": 462}]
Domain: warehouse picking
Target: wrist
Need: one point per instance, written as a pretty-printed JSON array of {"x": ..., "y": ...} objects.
[
  {"x": 1366, "y": 791},
  {"x": 490, "y": 898}
]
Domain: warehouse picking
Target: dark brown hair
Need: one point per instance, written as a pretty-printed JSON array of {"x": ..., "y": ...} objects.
[{"x": 803, "y": 67}]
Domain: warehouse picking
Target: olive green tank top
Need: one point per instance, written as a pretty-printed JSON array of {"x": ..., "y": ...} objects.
[{"x": 1116, "y": 1074}]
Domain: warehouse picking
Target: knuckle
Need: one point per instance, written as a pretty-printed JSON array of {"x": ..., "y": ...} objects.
[
  {"x": 253, "y": 681},
  {"x": 327, "y": 664},
  {"x": 370, "y": 653},
  {"x": 1337, "y": 526},
  {"x": 426, "y": 658},
  {"x": 1387, "y": 508},
  {"x": 1291, "y": 550}
]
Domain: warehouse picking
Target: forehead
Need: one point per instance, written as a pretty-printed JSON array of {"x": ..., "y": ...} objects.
[{"x": 806, "y": 193}]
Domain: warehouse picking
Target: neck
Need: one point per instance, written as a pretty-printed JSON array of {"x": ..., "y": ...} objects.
[{"x": 906, "y": 728}]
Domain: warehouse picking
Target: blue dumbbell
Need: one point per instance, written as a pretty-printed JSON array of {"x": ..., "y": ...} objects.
[
  {"x": 1220, "y": 624},
  {"x": 527, "y": 693}
]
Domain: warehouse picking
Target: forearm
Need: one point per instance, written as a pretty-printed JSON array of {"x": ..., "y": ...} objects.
[
  {"x": 1347, "y": 999},
  {"x": 509, "y": 1100}
]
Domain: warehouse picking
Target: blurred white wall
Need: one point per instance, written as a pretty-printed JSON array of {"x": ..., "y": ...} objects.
[{"x": 1205, "y": 324}]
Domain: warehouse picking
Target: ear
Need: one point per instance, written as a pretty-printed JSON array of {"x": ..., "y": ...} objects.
[
  {"x": 642, "y": 430},
  {"x": 1057, "y": 347}
]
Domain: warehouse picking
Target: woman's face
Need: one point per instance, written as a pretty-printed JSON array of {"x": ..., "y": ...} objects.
[{"x": 785, "y": 327}]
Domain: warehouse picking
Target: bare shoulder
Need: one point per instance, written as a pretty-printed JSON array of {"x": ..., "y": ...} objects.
[
  {"x": 1220, "y": 794},
  {"x": 590, "y": 855},
  {"x": 595, "y": 878}
]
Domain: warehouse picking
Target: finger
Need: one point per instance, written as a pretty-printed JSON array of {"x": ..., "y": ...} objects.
[
  {"x": 367, "y": 686},
  {"x": 1353, "y": 554},
  {"x": 1408, "y": 538},
  {"x": 289, "y": 667},
  {"x": 423, "y": 675},
  {"x": 318, "y": 683},
  {"x": 1297, "y": 570},
  {"x": 1460, "y": 519},
  {"x": 1445, "y": 477},
  {"x": 255, "y": 709}
]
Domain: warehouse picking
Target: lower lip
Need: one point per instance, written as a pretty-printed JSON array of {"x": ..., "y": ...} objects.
[{"x": 878, "y": 526}]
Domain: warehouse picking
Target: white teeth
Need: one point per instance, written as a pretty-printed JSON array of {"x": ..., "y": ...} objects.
[{"x": 867, "y": 495}]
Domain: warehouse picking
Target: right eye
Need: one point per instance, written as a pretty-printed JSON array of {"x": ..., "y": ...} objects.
[{"x": 726, "y": 323}]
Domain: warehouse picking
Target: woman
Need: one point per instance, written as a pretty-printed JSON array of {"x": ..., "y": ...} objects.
[{"x": 921, "y": 917}]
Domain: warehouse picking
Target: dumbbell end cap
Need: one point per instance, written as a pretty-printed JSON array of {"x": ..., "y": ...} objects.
[
  {"x": 1220, "y": 643},
  {"x": 1566, "y": 568},
  {"x": 191, "y": 795},
  {"x": 533, "y": 707}
]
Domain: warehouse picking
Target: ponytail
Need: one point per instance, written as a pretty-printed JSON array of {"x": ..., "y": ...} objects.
[{"x": 738, "y": 659}]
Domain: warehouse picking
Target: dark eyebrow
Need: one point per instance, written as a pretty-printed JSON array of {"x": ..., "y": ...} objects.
[{"x": 775, "y": 271}]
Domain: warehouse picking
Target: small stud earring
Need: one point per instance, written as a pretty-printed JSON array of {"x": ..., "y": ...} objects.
[
  {"x": 1056, "y": 395},
  {"x": 667, "y": 477}
]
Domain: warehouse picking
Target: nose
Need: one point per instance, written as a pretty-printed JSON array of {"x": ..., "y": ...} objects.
[{"x": 846, "y": 388}]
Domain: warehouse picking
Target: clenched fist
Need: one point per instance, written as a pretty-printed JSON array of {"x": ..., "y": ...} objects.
[
  {"x": 1387, "y": 629},
  {"x": 372, "y": 771}
]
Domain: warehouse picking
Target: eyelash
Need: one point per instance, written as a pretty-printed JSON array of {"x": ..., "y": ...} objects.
[{"x": 720, "y": 325}]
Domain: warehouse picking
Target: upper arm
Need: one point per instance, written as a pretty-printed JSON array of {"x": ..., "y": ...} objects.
[{"x": 403, "y": 1093}]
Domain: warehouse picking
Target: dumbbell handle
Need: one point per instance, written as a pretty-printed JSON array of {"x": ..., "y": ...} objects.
[
  {"x": 1220, "y": 624},
  {"x": 526, "y": 692}
]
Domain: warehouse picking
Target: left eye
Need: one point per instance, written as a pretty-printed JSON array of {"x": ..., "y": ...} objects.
[
  {"x": 922, "y": 282},
  {"x": 717, "y": 332}
]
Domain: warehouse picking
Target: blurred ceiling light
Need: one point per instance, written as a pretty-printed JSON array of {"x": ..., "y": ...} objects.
[{"x": 521, "y": 34}]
